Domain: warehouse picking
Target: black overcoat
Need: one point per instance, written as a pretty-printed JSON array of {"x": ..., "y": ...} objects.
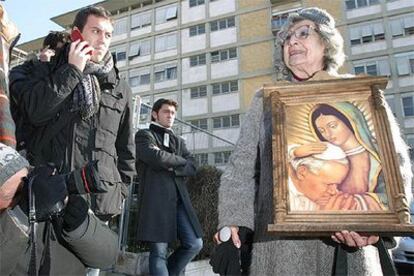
[{"x": 162, "y": 179}]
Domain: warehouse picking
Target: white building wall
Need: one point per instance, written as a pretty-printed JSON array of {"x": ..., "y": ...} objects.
[
  {"x": 119, "y": 37},
  {"x": 369, "y": 47},
  {"x": 192, "y": 14},
  {"x": 140, "y": 59},
  {"x": 163, "y": 54},
  {"x": 224, "y": 69},
  {"x": 121, "y": 63},
  {"x": 403, "y": 41},
  {"x": 192, "y": 107},
  {"x": 196, "y": 140},
  {"x": 166, "y": 25},
  {"x": 231, "y": 134},
  {"x": 406, "y": 81},
  {"x": 363, "y": 11},
  {"x": 221, "y": 7},
  {"x": 140, "y": 31},
  {"x": 141, "y": 88},
  {"x": 225, "y": 102},
  {"x": 399, "y": 4},
  {"x": 409, "y": 122},
  {"x": 193, "y": 74},
  {"x": 223, "y": 37},
  {"x": 193, "y": 43},
  {"x": 165, "y": 84}
]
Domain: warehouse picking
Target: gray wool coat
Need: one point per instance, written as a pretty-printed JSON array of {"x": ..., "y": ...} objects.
[
  {"x": 93, "y": 244},
  {"x": 242, "y": 202}
]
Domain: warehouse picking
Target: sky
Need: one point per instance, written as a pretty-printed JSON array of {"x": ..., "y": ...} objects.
[{"x": 32, "y": 17}]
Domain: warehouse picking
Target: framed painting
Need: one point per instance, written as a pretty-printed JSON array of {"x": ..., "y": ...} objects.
[{"x": 334, "y": 162}]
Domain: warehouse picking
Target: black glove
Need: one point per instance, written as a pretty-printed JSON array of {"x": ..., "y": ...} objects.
[
  {"x": 85, "y": 180},
  {"x": 227, "y": 259},
  {"x": 75, "y": 213},
  {"x": 49, "y": 192}
]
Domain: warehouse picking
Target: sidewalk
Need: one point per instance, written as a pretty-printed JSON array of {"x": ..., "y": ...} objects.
[{"x": 198, "y": 268}]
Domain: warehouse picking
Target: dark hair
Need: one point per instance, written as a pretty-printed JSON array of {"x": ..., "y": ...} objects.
[
  {"x": 324, "y": 109},
  {"x": 159, "y": 103},
  {"x": 83, "y": 14},
  {"x": 54, "y": 38}
]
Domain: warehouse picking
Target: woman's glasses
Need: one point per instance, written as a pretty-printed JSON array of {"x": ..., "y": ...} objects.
[{"x": 300, "y": 33}]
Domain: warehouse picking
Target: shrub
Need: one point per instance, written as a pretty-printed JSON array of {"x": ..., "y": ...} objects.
[{"x": 203, "y": 189}]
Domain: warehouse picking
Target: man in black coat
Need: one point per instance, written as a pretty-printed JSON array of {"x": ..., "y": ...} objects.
[
  {"x": 163, "y": 163},
  {"x": 80, "y": 110}
]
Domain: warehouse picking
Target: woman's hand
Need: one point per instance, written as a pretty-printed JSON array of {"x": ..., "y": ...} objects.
[
  {"x": 353, "y": 239},
  {"x": 234, "y": 236},
  {"x": 309, "y": 149}
]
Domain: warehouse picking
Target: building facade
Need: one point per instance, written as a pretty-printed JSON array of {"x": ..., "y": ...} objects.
[{"x": 212, "y": 55}]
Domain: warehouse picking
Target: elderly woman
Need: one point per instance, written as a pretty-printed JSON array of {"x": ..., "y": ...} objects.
[{"x": 310, "y": 43}]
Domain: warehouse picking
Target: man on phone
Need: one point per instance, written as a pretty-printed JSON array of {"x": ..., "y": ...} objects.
[{"x": 81, "y": 110}]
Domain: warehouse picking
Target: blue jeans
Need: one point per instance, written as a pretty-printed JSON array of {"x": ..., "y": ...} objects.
[{"x": 190, "y": 245}]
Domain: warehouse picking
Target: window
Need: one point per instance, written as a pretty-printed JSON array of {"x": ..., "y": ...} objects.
[
  {"x": 374, "y": 68},
  {"x": 198, "y": 92},
  {"x": 201, "y": 159},
  {"x": 355, "y": 4},
  {"x": 139, "y": 77},
  {"x": 367, "y": 33},
  {"x": 139, "y": 48},
  {"x": 120, "y": 26},
  {"x": 226, "y": 121},
  {"x": 222, "y": 24},
  {"x": 225, "y": 87},
  {"x": 402, "y": 26},
  {"x": 198, "y": 60},
  {"x": 194, "y": 3},
  {"x": 405, "y": 63},
  {"x": 408, "y": 106},
  {"x": 221, "y": 157},
  {"x": 359, "y": 70},
  {"x": 197, "y": 30},
  {"x": 140, "y": 20},
  {"x": 165, "y": 73},
  {"x": 165, "y": 14},
  {"x": 166, "y": 42},
  {"x": 223, "y": 55},
  {"x": 279, "y": 20},
  {"x": 201, "y": 123},
  {"x": 119, "y": 53}
]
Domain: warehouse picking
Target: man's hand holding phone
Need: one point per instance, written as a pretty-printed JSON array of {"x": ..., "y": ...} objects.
[{"x": 80, "y": 52}]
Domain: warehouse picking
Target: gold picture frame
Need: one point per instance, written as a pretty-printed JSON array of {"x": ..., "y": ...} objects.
[{"x": 377, "y": 204}]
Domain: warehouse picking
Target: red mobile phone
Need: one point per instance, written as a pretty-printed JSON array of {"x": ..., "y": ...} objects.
[{"x": 75, "y": 35}]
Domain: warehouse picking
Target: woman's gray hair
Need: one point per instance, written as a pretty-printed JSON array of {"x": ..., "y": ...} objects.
[{"x": 325, "y": 26}]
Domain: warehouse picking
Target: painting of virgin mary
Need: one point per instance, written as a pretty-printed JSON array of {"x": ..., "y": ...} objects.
[{"x": 344, "y": 125}]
